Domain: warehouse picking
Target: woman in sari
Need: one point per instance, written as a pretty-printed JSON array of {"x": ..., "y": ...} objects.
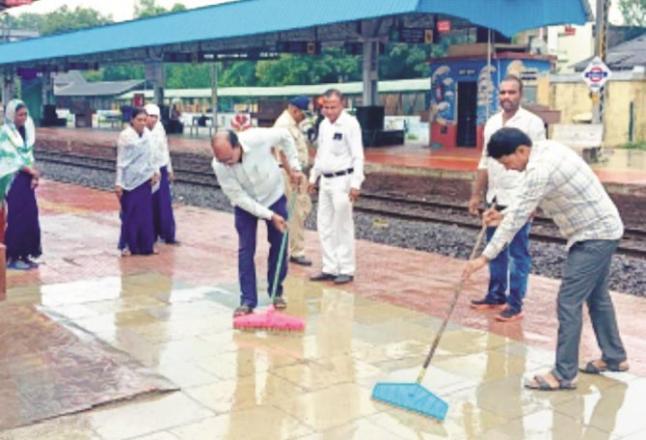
[
  {"x": 136, "y": 174},
  {"x": 22, "y": 233},
  {"x": 164, "y": 220}
]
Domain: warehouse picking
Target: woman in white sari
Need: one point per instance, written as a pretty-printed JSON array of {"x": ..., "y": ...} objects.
[
  {"x": 136, "y": 174},
  {"x": 163, "y": 216},
  {"x": 18, "y": 180}
]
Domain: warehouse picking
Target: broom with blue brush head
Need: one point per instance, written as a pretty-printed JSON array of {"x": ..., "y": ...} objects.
[{"x": 413, "y": 396}]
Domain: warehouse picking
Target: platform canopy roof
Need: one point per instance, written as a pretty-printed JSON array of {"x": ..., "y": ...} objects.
[{"x": 218, "y": 30}]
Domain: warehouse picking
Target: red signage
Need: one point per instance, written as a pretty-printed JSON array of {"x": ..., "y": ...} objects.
[
  {"x": 138, "y": 100},
  {"x": 569, "y": 30},
  {"x": 10, "y": 3},
  {"x": 444, "y": 26}
]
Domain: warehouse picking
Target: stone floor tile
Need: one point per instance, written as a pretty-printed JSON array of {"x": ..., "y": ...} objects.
[{"x": 257, "y": 423}]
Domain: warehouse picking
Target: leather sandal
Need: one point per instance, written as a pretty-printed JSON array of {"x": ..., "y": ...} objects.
[
  {"x": 540, "y": 383},
  {"x": 593, "y": 368},
  {"x": 280, "y": 303},
  {"x": 242, "y": 310}
]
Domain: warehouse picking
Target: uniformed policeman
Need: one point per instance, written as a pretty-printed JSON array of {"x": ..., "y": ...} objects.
[{"x": 290, "y": 119}]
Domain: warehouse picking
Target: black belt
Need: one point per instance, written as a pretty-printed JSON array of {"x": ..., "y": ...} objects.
[{"x": 339, "y": 173}]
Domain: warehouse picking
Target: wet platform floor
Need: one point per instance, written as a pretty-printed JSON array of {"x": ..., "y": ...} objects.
[{"x": 172, "y": 314}]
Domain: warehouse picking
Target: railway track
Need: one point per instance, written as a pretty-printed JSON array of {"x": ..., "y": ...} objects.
[{"x": 433, "y": 210}]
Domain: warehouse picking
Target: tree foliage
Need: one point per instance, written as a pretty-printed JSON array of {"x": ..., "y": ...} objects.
[
  {"x": 633, "y": 11},
  {"x": 150, "y": 8},
  {"x": 63, "y": 19}
]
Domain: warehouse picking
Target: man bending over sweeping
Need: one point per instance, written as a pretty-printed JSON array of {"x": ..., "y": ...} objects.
[
  {"x": 250, "y": 177},
  {"x": 564, "y": 186}
]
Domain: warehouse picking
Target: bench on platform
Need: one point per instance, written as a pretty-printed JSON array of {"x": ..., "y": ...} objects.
[{"x": 585, "y": 139}]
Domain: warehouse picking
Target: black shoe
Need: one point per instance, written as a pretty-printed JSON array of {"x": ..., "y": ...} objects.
[
  {"x": 280, "y": 303},
  {"x": 509, "y": 314},
  {"x": 242, "y": 310},
  {"x": 301, "y": 260},
  {"x": 343, "y": 279},
  {"x": 323, "y": 277},
  {"x": 486, "y": 304}
]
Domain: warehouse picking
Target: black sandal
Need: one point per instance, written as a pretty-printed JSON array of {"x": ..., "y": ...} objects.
[
  {"x": 615, "y": 367},
  {"x": 543, "y": 385}
]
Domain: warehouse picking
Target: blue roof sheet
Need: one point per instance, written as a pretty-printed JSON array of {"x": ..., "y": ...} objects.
[{"x": 251, "y": 17}]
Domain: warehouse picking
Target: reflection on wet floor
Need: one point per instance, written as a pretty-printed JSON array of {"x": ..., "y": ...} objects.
[
  {"x": 242, "y": 385},
  {"x": 64, "y": 334},
  {"x": 49, "y": 367}
]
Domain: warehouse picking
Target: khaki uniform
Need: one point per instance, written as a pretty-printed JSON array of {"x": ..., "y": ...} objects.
[{"x": 303, "y": 203}]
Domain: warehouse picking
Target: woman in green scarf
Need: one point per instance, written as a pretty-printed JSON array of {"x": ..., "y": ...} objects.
[{"x": 18, "y": 181}]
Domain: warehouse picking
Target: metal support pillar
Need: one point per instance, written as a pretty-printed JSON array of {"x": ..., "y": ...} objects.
[
  {"x": 214, "y": 95},
  {"x": 370, "y": 72},
  {"x": 48, "y": 88},
  {"x": 601, "y": 41},
  {"x": 155, "y": 75},
  {"x": 8, "y": 87}
]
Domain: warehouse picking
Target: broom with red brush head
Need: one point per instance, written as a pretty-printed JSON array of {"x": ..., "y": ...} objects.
[{"x": 272, "y": 319}]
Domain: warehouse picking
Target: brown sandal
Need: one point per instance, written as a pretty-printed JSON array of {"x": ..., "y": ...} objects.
[
  {"x": 541, "y": 384},
  {"x": 592, "y": 367},
  {"x": 242, "y": 310}
]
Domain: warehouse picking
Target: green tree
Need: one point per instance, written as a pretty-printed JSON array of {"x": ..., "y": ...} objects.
[
  {"x": 633, "y": 11},
  {"x": 61, "y": 20},
  {"x": 404, "y": 61},
  {"x": 238, "y": 74},
  {"x": 188, "y": 76},
  {"x": 150, "y": 8}
]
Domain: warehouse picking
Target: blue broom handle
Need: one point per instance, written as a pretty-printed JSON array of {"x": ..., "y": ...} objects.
[{"x": 283, "y": 244}]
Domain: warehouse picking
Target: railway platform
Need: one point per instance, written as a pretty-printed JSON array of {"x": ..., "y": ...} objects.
[{"x": 158, "y": 331}]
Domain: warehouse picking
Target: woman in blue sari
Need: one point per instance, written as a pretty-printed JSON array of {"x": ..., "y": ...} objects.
[
  {"x": 136, "y": 174},
  {"x": 22, "y": 233}
]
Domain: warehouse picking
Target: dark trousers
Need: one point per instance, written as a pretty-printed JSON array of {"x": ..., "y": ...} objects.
[
  {"x": 137, "y": 230},
  {"x": 164, "y": 219},
  {"x": 585, "y": 279},
  {"x": 22, "y": 236},
  {"x": 247, "y": 226},
  {"x": 510, "y": 268}
]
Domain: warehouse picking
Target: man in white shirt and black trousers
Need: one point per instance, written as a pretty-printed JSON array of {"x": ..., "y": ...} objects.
[
  {"x": 511, "y": 267},
  {"x": 339, "y": 165},
  {"x": 250, "y": 177},
  {"x": 564, "y": 186}
]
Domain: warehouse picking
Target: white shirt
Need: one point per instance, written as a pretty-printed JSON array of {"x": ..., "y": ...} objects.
[
  {"x": 135, "y": 158},
  {"x": 503, "y": 183},
  {"x": 256, "y": 182},
  {"x": 340, "y": 148},
  {"x": 160, "y": 147},
  {"x": 564, "y": 186}
]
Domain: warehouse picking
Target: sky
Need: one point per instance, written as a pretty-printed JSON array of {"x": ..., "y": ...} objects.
[{"x": 123, "y": 9}]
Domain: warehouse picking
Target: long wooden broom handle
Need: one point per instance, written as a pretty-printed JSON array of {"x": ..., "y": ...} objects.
[{"x": 456, "y": 294}]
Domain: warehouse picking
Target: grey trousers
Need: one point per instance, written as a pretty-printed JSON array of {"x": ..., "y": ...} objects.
[{"x": 585, "y": 278}]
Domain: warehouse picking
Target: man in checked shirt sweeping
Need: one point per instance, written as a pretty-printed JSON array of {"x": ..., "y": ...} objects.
[{"x": 564, "y": 186}]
